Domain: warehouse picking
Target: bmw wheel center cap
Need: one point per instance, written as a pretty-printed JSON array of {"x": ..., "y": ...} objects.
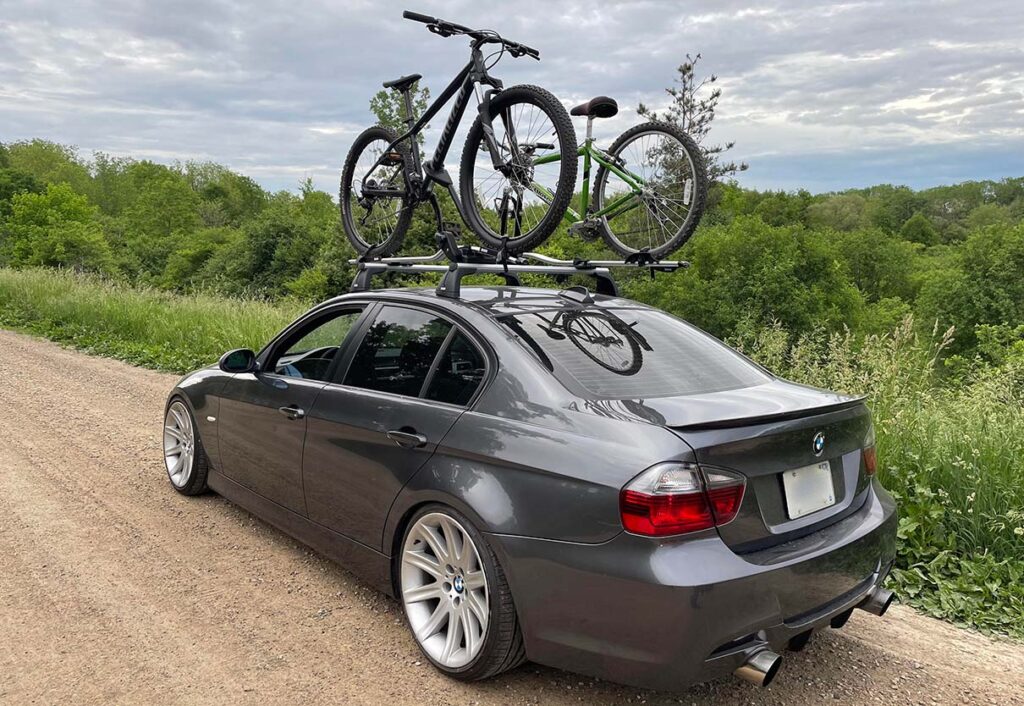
[{"x": 459, "y": 584}]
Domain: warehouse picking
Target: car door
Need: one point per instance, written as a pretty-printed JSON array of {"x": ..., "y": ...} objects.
[
  {"x": 262, "y": 425},
  {"x": 399, "y": 392}
]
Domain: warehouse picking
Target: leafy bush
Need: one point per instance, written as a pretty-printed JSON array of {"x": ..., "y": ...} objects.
[{"x": 951, "y": 454}]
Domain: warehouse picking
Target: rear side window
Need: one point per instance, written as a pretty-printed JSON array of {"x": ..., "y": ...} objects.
[
  {"x": 459, "y": 372},
  {"x": 397, "y": 351},
  {"x": 631, "y": 353}
]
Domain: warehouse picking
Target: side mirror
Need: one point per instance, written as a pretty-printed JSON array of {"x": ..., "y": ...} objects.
[{"x": 240, "y": 360}]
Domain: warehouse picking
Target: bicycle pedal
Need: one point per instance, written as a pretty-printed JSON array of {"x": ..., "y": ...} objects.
[
  {"x": 587, "y": 230},
  {"x": 392, "y": 159}
]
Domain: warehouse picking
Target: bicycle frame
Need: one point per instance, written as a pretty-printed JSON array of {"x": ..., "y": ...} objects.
[
  {"x": 591, "y": 153},
  {"x": 424, "y": 176}
]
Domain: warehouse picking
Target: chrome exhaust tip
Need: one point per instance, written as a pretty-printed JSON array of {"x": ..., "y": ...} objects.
[
  {"x": 878, "y": 601},
  {"x": 760, "y": 668}
]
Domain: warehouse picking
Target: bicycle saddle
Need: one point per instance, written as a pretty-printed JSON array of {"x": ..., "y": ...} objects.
[
  {"x": 599, "y": 107},
  {"x": 400, "y": 84}
]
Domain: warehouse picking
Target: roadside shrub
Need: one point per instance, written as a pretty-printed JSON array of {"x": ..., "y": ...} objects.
[{"x": 951, "y": 453}]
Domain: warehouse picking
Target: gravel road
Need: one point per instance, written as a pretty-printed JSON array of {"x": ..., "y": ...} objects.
[{"x": 114, "y": 588}]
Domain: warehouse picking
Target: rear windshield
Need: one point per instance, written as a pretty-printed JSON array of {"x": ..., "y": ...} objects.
[{"x": 631, "y": 353}]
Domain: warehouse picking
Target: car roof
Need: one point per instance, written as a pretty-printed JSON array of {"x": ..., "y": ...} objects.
[{"x": 500, "y": 301}]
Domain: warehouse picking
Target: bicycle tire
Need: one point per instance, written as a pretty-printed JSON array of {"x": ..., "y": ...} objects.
[
  {"x": 392, "y": 243},
  {"x": 566, "y": 183},
  {"x": 699, "y": 193}
]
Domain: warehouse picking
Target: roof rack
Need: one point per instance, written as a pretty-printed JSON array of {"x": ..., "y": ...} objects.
[{"x": 471, "y": 260}]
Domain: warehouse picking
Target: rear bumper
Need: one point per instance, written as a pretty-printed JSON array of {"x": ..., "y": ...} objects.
[{"x": 666, "y": 614}]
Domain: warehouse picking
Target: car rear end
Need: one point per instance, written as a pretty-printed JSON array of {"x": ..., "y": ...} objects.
[{"x": 767, "y": 525}]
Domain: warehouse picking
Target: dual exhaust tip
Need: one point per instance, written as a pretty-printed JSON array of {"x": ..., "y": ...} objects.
[{"x": 762, "y": 666}]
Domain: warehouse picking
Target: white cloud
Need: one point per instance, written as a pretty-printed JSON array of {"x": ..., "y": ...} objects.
[{"x": 875, "y": 90}]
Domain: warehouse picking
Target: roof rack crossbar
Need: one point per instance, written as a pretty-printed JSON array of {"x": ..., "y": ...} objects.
[{"x": 482, "y": 261}]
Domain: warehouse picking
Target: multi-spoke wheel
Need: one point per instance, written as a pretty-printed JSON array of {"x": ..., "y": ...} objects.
[
  {"x": 658, "y": 205},
  {"x": 524, "y": 195},
  {"x": 184, "y": 457},
  {"x": 374, "y": 198},
  {"x": 456, "y": 597}
]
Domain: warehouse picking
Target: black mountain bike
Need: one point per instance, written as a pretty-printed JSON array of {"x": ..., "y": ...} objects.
[{"x": 384, "y": 177}]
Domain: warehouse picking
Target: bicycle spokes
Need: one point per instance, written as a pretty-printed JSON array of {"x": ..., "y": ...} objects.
[
  {"x": 378, "y": 188},
  {"x": 652, "y": 196},
  {"x": 516, "y": 193}
]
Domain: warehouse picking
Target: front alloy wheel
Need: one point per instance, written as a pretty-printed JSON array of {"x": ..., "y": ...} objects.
[
  {"x": 184, "y": 456},
  {"x": 456, "y": 597}
]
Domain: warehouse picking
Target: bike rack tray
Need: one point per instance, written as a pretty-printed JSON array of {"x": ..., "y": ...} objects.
[{"x": 475, "y": 261}]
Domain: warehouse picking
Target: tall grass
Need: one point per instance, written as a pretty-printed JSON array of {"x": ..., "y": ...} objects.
[
  {"x": 952, "y": 453},
  {"x": 147, "y": 327}
]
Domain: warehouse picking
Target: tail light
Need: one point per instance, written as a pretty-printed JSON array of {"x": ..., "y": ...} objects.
[
  {"x": 677, "y": 498},
  {"x": 868, "y": 453}
]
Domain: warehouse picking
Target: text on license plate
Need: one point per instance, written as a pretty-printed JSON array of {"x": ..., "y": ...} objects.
[{"x": 808, "y": 489}]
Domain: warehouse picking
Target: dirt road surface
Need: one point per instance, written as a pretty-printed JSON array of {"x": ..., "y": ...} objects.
[{"x": 115, "y": 589}]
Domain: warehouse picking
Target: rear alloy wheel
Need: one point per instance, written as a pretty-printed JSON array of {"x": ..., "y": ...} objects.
[
  {"x": 456, "y": 597},
  {"x": 184, "y": 456}
]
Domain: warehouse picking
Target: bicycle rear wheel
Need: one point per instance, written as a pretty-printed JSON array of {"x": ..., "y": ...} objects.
[
  {"x": 522, "y": 201},
  {"x": 660, "y": 210},
  {"x": 374, "y": 198}
]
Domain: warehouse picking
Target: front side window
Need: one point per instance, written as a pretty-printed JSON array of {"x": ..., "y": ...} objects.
[
  {"x": 397, "y": 351},
  {"x": 313, "y": 348}
]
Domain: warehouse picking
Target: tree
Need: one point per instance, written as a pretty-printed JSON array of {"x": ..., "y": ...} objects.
[
  {"x": 50, "y": 163},
  {"x": 981, "y": 285},
  {"x": 58, "y": 228},
  {"x": 389, "y": 107},
  {"x": 14, "y": 182},
  {"x": 918, "y": 229},
  {"x": 842, "y": 212},
  {"x": 692, "y": 109},
  {"x": 748, "y": 273}
]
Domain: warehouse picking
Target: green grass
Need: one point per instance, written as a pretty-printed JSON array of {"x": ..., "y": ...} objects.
[
  {"x": 146, "y": 327},
  {"x": 952, "y": 452}
]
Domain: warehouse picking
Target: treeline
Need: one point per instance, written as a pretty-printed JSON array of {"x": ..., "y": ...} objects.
[{"x": 862, "y": 259}]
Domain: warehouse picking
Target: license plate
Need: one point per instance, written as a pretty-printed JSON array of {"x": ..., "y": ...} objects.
[{"x": 808, "y": 489}]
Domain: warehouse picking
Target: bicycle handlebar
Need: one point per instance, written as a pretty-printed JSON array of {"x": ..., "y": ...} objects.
[{"x": 446, "y": 29}]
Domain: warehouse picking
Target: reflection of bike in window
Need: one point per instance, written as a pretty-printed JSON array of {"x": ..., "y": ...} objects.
[{"x": 604, "y": 338}]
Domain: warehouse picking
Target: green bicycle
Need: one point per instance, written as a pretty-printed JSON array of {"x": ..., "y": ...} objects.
[{"x": 649, "y": 191}]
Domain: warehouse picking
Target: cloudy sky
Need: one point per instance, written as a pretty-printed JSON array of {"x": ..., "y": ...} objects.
[{"x": 816, "y": 95}]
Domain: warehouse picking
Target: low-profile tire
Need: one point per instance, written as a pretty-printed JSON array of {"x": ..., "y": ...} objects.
[
  {"x": 185, "y": 458},
  {"x": 432, "y": 578}
]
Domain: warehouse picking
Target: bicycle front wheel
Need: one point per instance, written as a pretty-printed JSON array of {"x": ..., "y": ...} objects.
[
  {"x": 521, "y": 200},
  {"x": 654, "y": 198}
]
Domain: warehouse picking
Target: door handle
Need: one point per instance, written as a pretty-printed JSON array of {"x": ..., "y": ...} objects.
[
  {"x": 292, "y": 412},
  {"x": 407, "y": 439}
]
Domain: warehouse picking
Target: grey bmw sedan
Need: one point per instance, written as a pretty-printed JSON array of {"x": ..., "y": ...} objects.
[{"x": 573, "y": 479}]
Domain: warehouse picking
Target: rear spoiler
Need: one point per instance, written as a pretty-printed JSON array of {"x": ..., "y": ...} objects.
[{"x": 775, "y": 417}]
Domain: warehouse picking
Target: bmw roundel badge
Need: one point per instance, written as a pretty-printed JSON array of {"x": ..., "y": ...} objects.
[{"x": 819, "y": 443}]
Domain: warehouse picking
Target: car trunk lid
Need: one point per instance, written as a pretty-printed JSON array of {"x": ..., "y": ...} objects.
[{"x": 766, "y": 433}]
